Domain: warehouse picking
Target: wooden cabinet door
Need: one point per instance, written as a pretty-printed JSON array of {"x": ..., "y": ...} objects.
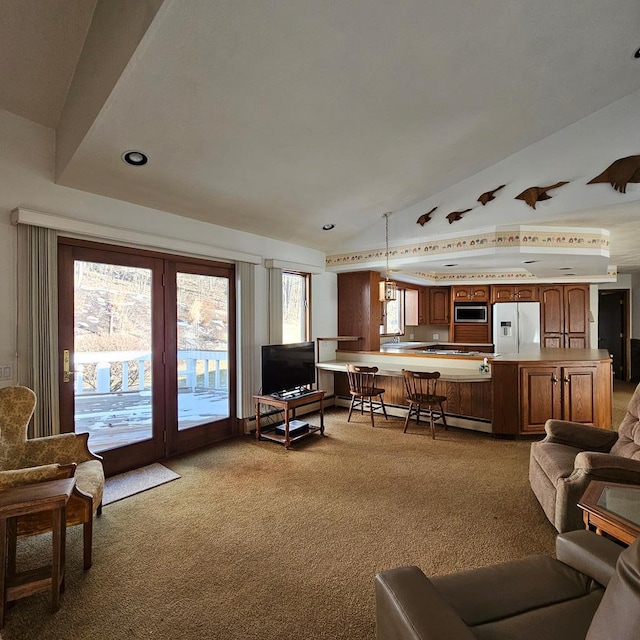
[
  {"x": 479, "y": 293},
  {"x": 423, "y": 305},
  {"x": 540, "y": 397},
  {"x": 439, "y": 303},
  {"x": 411, "y": 307},
  {"x": 576, "y": 316},
  {"x": 461, "y": 294},
  {"x": 526, "y": 293},
  {"x": 552, "y": 316},
  {"x": 579, "y": 393},
  {"x": 501, "y": 293}
]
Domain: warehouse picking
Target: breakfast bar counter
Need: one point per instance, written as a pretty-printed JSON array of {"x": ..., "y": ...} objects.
[{"x": 516, "y": 397}]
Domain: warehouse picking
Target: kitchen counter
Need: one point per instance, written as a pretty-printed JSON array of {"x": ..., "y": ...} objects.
[
  {"x": 438, "y": 348},
  {"x": 519, "y": 393}
]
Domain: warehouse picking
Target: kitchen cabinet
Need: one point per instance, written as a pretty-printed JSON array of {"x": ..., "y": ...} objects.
[
  {"x": 527, "y": 394},
  {"x": 514, "y": 293},
  {"x": 560, "y": 392},
  {"x": 564, "y": 316},
  {"x": 438, "y": 305},
  {"x": 471, "y": 292},
  {"x": 359, "y": 310},
  {"x": 411, "y": 307}
]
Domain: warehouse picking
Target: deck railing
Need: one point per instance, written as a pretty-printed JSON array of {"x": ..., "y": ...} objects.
[{"x": 194, "y": 373}]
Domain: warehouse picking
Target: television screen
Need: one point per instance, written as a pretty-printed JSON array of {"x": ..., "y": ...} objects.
[{"x": 287, "y": 366}]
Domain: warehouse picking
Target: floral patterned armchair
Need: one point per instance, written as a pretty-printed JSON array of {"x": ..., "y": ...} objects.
[{"x": 26, "y": 461}]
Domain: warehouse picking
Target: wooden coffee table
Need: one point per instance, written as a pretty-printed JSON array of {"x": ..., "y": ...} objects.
[
  {"x": 20, "y": 501},
  {"x": 613, "y": 509}
]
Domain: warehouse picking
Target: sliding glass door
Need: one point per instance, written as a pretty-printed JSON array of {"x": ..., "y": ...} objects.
[{"x": 146, "y": 352}]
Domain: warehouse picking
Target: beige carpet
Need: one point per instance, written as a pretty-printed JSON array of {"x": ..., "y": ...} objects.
[
  {"x": 127, "y": 484},
  {"x": 257, "y": 542}
]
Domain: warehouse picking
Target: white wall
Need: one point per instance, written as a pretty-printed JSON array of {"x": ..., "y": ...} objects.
[{"x": 26, "y": 180}]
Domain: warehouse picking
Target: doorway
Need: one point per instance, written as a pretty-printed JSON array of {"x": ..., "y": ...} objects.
[
  {"x": 613, "y": 328},
  {"x": 147, "y": 346}
]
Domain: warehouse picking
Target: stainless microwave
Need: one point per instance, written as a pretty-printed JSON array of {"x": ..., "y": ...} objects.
[{"x": 469, "y": 312}]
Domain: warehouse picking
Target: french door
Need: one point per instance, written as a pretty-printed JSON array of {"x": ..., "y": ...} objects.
[{"x": 147, "y": 348}]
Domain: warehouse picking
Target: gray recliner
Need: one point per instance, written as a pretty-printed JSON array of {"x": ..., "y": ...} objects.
[
  {"x": 592, "y": 592},
  {"x": 572, "y": 455}
]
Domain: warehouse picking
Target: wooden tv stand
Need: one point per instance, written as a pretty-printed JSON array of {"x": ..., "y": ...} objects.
[{"x": 288, "y": 405}]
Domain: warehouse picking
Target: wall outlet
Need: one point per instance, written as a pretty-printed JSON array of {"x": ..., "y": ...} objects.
[
  {"x": 6, "y": 372},
  {"x": 411, "y": 336},
  {"x": 435, "y": 336}
]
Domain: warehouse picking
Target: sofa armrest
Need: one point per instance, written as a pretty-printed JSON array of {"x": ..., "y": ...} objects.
[
  {"x": 63, "y": 449},
  {"x": 588, "y": 553},
  {"x": 408, "y": 607},
  {"x": 582, "y": 436},
  {"x": 32, "y": 475},
  {"x": 605, "y": 466}
]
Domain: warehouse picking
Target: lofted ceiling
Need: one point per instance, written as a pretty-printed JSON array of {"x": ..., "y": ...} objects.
[{"x": 276, "y": 118}]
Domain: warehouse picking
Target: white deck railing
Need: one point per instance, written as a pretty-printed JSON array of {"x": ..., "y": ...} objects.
[{"x": 104, "y": 361}]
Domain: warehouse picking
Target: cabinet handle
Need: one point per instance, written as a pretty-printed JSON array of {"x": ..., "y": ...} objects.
[
  {"x": 554, "y": 378},
  {"x": 566, "y": 379}
]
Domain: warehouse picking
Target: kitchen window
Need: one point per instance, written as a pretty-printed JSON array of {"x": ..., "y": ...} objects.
[{"x": 393, "y": 316}]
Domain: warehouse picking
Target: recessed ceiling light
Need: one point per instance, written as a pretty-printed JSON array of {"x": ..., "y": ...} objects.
[
  {"x": 328, "y": 227},
  {"x": 450, "y": 265},
  {"x": 529, "y": 261},
  {"x": 135, "y": 158},
  {"x": 565, "y": 268},
  {"x": 637, "y": 53}
]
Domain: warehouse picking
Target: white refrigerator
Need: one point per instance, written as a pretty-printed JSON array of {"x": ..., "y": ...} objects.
[{"x": 516, "y": 327}]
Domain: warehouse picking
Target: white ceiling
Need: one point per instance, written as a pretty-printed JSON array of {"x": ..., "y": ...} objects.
[{"x": 278, "y": 117}]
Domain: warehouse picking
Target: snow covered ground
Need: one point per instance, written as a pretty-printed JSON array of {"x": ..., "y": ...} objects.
[{"x": 117, "y": 419}]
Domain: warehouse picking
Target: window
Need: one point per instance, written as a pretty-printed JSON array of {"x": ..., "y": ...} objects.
[
  {"x": 295, "y": 307},
  {"x": 393, "y": 316}
]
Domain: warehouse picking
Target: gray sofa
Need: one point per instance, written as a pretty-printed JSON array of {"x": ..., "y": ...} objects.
[
  {"x": 582, "y": 594},
  {"x": 572, "y": 455}
]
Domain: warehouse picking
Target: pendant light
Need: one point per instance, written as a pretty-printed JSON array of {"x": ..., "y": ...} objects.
[{"x": 388, "y": 289}]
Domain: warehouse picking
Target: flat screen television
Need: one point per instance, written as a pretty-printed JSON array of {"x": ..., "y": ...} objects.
[{"x": 287, "y": 367}]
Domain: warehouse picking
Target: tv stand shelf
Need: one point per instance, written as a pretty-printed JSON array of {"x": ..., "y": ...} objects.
[{"x": 288, "y": 405}]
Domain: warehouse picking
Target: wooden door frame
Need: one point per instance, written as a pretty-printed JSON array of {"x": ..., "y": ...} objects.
[
  {"x": 165, "y": 442},
  {"x": 138, "y": 453},
  {"x": 195, "y": 437}
]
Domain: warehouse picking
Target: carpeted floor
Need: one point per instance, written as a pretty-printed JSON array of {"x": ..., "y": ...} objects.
[{"x": 258, "y": 542}]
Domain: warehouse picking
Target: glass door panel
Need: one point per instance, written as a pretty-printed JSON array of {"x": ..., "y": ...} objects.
[
  {"x": 112, "y": 354},
  {"x": 202, "y": 349}
]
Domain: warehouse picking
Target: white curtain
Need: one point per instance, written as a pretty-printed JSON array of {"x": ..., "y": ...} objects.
[
  {"x": 275, "y": 305},
  {"x": 38, "y": 324}
]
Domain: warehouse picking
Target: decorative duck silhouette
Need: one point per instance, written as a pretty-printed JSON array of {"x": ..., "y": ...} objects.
[
  {"x": 620, "y": 173},
  {"x": 456, "y": 215},
  {"x": 533, "y": 195},
  {"x": 488, "y": 196},
  {"x": 425, "y": 217}
]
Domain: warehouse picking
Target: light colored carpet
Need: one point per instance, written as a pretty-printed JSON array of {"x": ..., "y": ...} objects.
[
  {"x": 256, "y": 542},
  {"x": 127, "y": 484}
]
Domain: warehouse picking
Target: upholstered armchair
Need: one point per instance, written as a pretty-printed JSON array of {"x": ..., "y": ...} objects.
[
  {"x": 572, "y": 455},
  {"x": 590, "y": 590},
  {"x": 27, "y": 461}
]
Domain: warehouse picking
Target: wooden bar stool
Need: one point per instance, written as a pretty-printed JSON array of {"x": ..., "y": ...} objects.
[
  {"x": 363, "y": 390},
  {"x": 422, "y": 396}
]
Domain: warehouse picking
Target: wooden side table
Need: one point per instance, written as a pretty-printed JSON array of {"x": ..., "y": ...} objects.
[
  {"x": 288, "y": 405},
  {"x": 613, "y": 509},
  {"x": 20, "y": 501}
]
